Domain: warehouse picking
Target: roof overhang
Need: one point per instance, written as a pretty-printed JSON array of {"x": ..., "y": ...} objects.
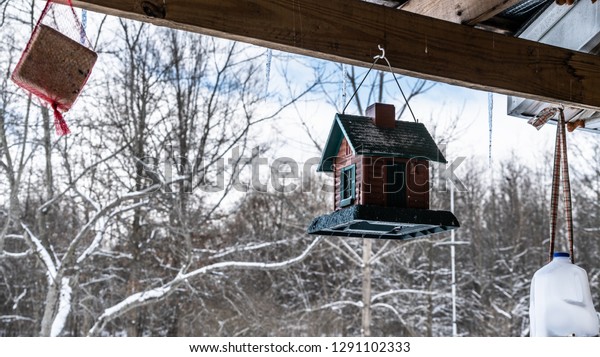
[
  {"x": 574, "y": 27},
  {"x": 332, "y": 146},
  {"x": 349, "y": 31}
]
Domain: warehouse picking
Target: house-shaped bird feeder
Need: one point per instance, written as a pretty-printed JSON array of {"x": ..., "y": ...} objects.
[{"x": 381, "y": 171}]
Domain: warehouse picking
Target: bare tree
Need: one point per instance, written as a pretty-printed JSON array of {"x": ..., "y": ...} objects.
[{"x": 142, "y": 222}]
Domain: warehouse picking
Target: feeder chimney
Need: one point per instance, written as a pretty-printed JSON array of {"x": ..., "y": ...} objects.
[{"x": 383, "y": 115}]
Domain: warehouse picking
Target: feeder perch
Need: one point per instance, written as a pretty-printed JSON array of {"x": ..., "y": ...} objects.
[{"x": 381, "y": 175}]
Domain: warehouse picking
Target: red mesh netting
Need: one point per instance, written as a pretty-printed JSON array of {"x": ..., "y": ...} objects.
[{"x": 57, "y": 61}]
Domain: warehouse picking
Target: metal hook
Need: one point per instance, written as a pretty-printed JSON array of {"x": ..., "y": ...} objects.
[
  {"x": 377, "y": 58},
  {"x": 382, "y": 55}
]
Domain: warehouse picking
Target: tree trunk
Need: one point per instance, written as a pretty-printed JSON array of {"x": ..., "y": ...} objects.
[
  {"x": 366, "y": 288},
  {"x": 430, "y": 305},
  {"x": 42, "y": 216},
  {"x": 50, "y": 307}
]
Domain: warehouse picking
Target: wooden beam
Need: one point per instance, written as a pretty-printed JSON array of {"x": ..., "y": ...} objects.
[
  {"x": 349, "y": 31},
  {"x": 469, "y": 12}
]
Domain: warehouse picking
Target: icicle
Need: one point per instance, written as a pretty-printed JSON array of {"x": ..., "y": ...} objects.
[
  {"x": 269, "y": 58},
  {"x": 344, "y": 78},
  {"x": 490, "y": 117}
]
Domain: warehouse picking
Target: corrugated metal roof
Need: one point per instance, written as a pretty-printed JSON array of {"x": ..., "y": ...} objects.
[
  {"x": 525, "y": 8},
  {"x": 524, "y": 13},
  {"x": 509, "y": 21}
]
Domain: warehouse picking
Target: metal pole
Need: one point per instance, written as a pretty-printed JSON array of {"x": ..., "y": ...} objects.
[{"x": 454, "y": 334}]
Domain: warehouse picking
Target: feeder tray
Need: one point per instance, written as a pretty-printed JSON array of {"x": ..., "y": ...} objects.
[
  {"x": 383, "y": 222},
  {"x": 55, "y": 67}
]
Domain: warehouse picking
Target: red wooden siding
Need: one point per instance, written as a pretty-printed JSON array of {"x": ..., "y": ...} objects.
[
  {"x": 418, "y": 184},
  {"x": 372, "y": 176},
  {"x": 375, "y": 185}
]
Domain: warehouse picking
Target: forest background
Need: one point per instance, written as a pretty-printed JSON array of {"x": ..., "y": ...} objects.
[{"x": 178, "y": 205}]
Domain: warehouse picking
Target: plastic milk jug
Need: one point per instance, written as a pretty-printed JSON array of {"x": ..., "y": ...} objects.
[{"x": 561, "y": 302}]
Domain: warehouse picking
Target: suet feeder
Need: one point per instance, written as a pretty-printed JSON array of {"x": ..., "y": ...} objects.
[
  {"x": 381, "y": 175},
  {"x": 57, "y": 60}
]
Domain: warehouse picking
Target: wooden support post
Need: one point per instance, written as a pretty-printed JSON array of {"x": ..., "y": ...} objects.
[{"x": 349, "y": 31}]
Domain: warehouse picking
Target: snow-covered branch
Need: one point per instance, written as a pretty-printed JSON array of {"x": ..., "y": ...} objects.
[
  {"x": 101, "y": 228},
  {"x": 12, "y": 255},
  {"x": 94, "y": 204},
  {"x": 253, "y": 265},
  {"x": 351, "y": 258},
  {"x": 14, "y": 236},
  {"x": 159, "y": 293},
  {"x": 381, "y": 251},
  {"x": 339, "y": 304},
  {"x": 350, "y": 250},
  {"x": 103, "y": 212},
  {"x": 18, "y": 298},
  {"x": 9, "y": 318},
  {"x": 385, "y": 254},
  {"x": 44, "y": 207},
  {"x": 41, "y": 252},
  {"x": 380, "y": 255},
  {"x": 396, "y": 313},
  {"x": 501, "y": 312},
  {"x": 392, "y": 309},
  {"x": 401, "y": 291},
  {"x": 247, "y": 248},
  {"x": 503, "y": 291}
]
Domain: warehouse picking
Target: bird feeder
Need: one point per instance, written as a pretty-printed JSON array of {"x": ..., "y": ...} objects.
[
  {"x": 57, "y": 60},
  {"x": 381, "y": 175}
]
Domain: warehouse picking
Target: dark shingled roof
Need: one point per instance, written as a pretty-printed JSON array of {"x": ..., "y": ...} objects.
[{"x": 407, "y": 140}]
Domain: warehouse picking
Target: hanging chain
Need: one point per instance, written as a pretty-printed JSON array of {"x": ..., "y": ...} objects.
[
  {"x": 377, "y": 58},
  {"x": 359, "y": 85}
]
